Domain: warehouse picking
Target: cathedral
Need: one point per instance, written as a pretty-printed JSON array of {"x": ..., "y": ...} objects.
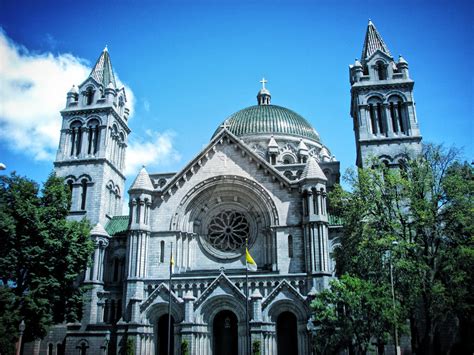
[{"x": 171, "y": 276}]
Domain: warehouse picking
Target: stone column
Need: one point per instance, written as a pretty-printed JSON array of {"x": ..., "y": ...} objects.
[
  {"x": 309, "y": 201},
  {"x": 256, "y": 300}
]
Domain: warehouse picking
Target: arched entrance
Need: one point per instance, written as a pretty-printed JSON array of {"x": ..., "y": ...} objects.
[
  {"x": 287, "y": 334},
  {"x": 162, "y": 348},
  {"x": 225, "y": 333}
]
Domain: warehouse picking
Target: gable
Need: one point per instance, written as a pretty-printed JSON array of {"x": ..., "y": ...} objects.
[
  {"x": 221, "y": 286},
  {"x": 161, "y": 294},
  {"x": 284, "y": 291},
  {"x": 224, "y": 139}
]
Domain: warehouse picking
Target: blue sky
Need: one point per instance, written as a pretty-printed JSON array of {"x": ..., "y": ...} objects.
[{"x": 190, "y": 64}]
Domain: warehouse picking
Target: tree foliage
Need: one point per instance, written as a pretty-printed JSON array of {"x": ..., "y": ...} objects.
[
  {"x": 352, "y": 313},
  {"x": 427, "y": 208},
  {"x": 41, "y": 255}
]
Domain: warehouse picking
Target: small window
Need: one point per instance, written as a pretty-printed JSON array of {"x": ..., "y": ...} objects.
[
  {"x": 162, "y": 252},
  {"x": 381, "y": 71},
  {"x": 50, "y": 349},
  {"x": 83, "y": 194},
  {"x": 89, "y": 96},
  {"x": 290, "y": 246}
]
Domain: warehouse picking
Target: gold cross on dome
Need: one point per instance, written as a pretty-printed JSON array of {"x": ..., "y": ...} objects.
[{"x": 263, "y": 81}]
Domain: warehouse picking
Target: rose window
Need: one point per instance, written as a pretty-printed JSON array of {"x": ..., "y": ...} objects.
[{"x": 228, "y": 230}]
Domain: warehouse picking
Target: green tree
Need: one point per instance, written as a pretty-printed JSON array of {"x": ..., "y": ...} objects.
[
  {"x": 351, "y": 314},
  {"x": 427, "y": 208},
  {"x": 41, "y": 255}
]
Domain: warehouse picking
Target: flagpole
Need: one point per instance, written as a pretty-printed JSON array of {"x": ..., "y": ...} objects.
[
  {"x": 169, "y": 302},
  {"x": 247, "y": 299}
]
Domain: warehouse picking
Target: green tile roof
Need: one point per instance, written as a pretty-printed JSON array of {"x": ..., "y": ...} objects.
[
  {"x": 269, "y": 119},
  {"x": 117, "y": 225},
  {"x": 335, "y": 220}
]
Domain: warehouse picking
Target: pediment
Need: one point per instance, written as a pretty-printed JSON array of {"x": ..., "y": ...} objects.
[
  {"x": 283, "y": 291},
  {"x": 89, "y": 81},
  {"x": 161, "y": 294},
  {"x": 222, "y": 285},
  {"x": 378, "y": 54},
  {"x": 224, "y": 137}
]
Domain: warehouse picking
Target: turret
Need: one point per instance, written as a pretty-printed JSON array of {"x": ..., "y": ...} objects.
[{"x": 264, "y": 97}]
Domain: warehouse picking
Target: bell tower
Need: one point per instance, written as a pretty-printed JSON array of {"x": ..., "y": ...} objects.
[
  {"x": 382, "y": 104},
  {"x": 93, "y": 142}
]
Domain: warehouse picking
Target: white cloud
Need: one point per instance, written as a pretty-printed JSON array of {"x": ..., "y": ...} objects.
[
  {"x": 156, "y": 150},
  {"x": 33, "y": 90}
]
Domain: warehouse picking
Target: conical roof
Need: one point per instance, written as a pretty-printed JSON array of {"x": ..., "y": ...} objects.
[
  {"x": 99, "y": 230},
  {"x": 272, "y": 143},
  {"x": 142, "y": 181},
  {"x": 312, "y": 171},
  {"x": 373, "y": 42},
  {"x": 102, "y": 71}
]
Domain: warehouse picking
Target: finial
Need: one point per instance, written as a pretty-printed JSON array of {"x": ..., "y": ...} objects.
[
  {"x": 106, "y": 49},
  {"x": 143, "y": 166},
  {"x": 263, "y": 81}
]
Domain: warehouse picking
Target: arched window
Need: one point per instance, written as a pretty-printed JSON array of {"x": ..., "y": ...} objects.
[
  {"x": 89, "y": 96},
  {"x": 377, "y": 117},
  {"x": 397, "y": 114},
  {"x": 305, "y": 205},
  {"x": 290, "y": 246},
  {"x": 69, "y": 185},
  {"x": 76, "y": 138},
  {"x": 381, "y": 70},
  {"x": 315, "y": 202},
  {"x": 288, "y": 159},
  {"x": 83, "y": 194},
  {"x": 137, "y": 211},
  {"x": 92, "y": 137},
  {"x": 162, "y": 251},
  {"x": 288, "y": 175}
]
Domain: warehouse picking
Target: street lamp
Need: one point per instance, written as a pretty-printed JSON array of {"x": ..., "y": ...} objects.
[
  {"x": 397, "y": 348},
  {"x": 21, "y": 328}
]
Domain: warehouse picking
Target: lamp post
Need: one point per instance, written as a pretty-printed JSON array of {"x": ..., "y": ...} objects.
[
  {"x": 397, "y": 348},
  {"x": 21, "y": 328}
]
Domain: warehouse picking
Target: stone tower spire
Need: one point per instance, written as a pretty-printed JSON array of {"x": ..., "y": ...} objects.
[
  {"x": 382, "y": 104},
  {"x": 93, "y": 142}
]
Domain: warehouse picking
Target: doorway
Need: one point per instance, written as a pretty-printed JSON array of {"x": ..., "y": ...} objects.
[
  {"x": 287, "y": 334},
  {"x": 225, "y": 333},
  {"x": 162, "y": 348}
]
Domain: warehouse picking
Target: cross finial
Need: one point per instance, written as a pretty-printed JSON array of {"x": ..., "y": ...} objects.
[
  {"x": 263, "y": 81},
  {"x": 106, "y": 49}
]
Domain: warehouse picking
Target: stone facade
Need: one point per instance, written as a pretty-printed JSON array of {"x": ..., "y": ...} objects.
[{"x": 260, "y": 183}]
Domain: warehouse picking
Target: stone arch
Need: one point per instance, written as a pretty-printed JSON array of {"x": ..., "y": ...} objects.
[
  {"x": 288, "y": 305},
  {"x": 217, "y": 195},
  {"x": 158, "y": 309},
  {"x": 215, "y": 304},
  {"x": 393, "y": 93}
]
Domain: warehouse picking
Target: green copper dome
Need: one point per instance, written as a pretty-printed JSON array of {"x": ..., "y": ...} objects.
[{"x": 269, "y": 119}]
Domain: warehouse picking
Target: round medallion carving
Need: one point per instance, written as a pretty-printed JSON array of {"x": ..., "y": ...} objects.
[{"x": 228, "y": 230}]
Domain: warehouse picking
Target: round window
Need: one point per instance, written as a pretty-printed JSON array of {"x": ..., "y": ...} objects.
[{"x": 228, "y": 230}]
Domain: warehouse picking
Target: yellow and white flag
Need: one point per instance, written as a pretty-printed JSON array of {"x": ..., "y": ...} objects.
[
  {"x": 171, "y": 262},
  {"x": 251, "y": 264}
]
